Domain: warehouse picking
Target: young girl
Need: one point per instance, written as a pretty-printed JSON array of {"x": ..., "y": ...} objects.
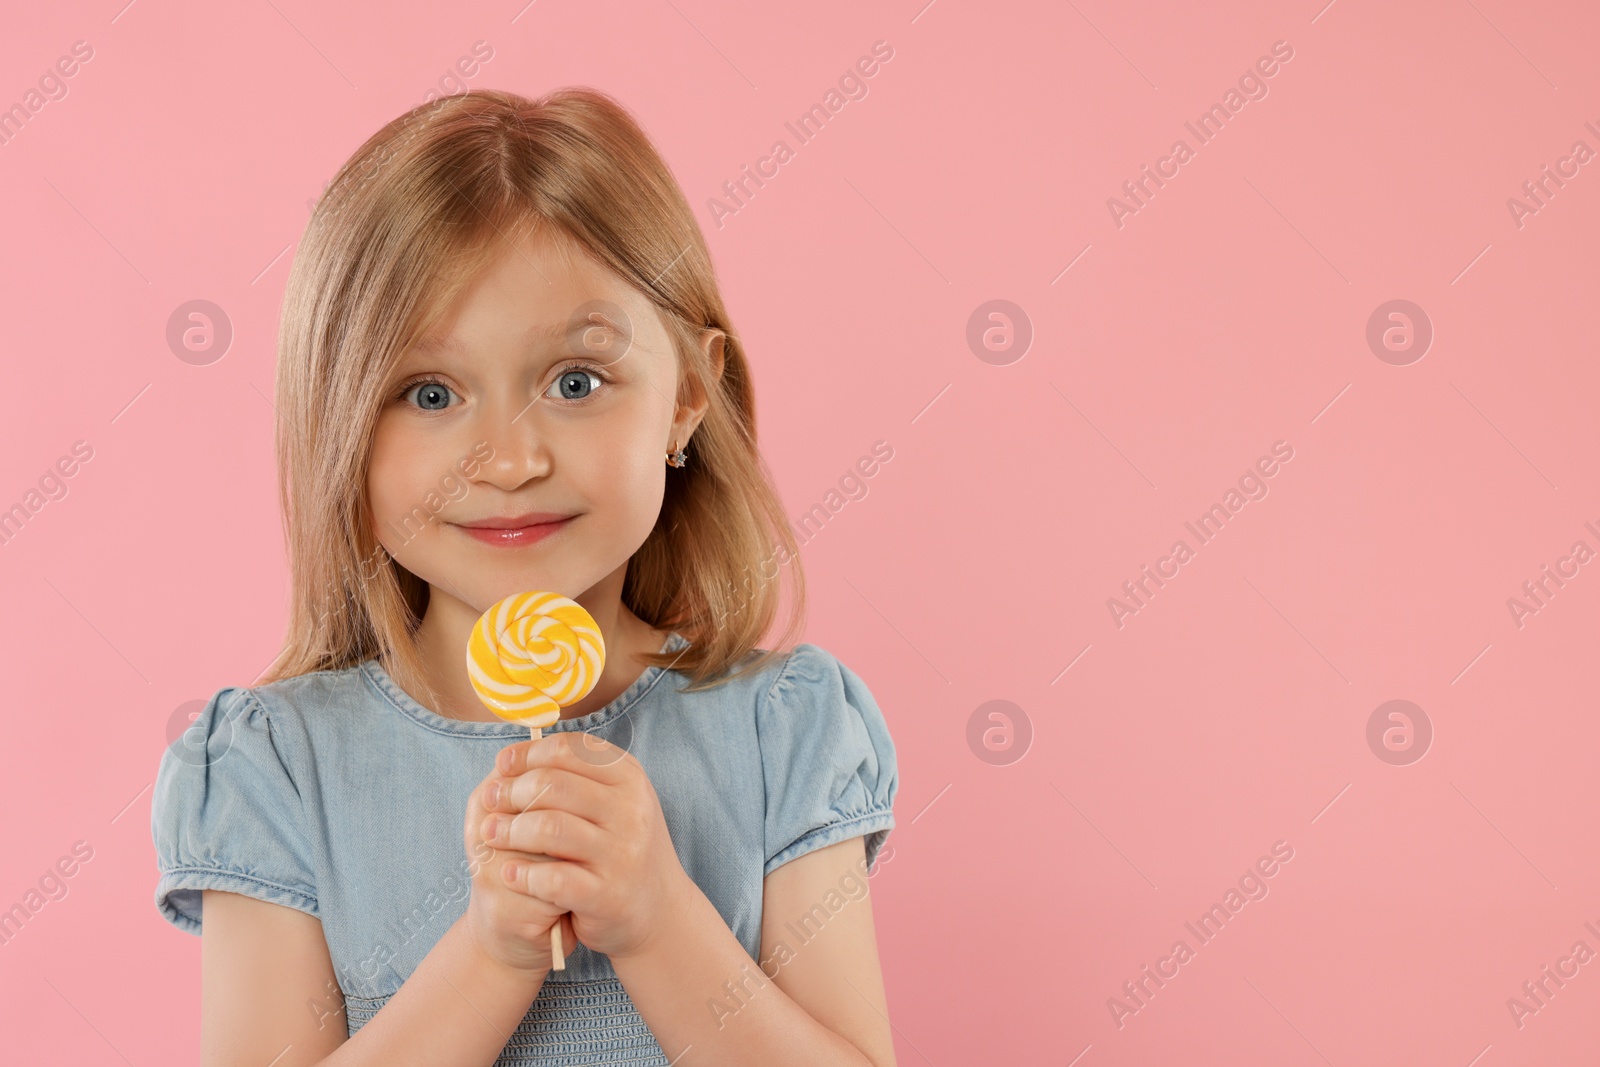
[{"x": 505, "y": 366}]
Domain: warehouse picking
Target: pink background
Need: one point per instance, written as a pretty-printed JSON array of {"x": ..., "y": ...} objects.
[{"x": 1229, "y": 313}]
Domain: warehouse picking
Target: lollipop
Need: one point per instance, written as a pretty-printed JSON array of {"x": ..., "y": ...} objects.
[{"x": 529, "y": 656}]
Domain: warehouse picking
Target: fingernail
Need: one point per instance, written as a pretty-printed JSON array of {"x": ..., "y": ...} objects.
[
  {"x": 513, "y": 871},
  {"x": 504, "y": 760},
  {"x": 491, "y": 796},
  {"x": 491, "y": 827}
]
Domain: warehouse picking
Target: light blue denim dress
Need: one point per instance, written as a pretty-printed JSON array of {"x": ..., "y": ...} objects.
[{"x": 337, "y": 794}]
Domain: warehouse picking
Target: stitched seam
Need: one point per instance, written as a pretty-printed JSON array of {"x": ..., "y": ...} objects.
[
  {"x": 783, "y": 673},
  {"x": 378, "y": 684},
  {"x": 869, "y": 818},
  {"x": 289, "y": 889},
  {"x": 299, "y": 797}
]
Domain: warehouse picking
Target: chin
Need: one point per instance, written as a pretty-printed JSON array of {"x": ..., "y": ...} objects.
[{"x": 490, "y": 587}]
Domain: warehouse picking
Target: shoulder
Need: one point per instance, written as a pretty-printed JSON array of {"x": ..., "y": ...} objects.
[
  {"x": 240, "y": 738},
  {"x": 812, "y": 684},
  {"x": 255, "y": 739},
  {"x": 279, "y": 711},
  {"x": 806, "y": 684},
  {"x": 296, "y": 698},
  {"x": 807, "y": 665}
]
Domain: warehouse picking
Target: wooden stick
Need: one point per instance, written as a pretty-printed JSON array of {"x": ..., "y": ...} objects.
[{"x": 557, "y": 955}]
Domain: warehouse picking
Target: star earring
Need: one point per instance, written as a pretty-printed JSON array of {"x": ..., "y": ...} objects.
[{"x": 676, "y": 458}]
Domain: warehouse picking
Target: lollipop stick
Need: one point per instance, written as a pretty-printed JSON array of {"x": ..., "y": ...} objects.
[{"x": 557, "y": 954}]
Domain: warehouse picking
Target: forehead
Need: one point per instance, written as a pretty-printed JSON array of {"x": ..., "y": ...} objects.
[{"x": 539, "y": 292}]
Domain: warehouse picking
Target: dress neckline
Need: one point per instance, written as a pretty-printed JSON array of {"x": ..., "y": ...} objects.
[{"x": 404, "y": 703}]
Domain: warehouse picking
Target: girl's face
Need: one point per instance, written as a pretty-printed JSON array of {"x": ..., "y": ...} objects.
[{"x": 550, "y": 389}]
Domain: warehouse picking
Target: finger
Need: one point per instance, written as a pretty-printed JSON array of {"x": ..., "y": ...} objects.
[
  {"x": 581, "y": 753},
  {"x": 551, "y": 787},
  {"x": 569, "y": 936},
  {"x": 503, "y": 856},
  {"x": 508, "y": 760},
  {"x": 547, "y": 832},
  {"x": 476, "y": 807},
  {"x": 560, "y": 884}
]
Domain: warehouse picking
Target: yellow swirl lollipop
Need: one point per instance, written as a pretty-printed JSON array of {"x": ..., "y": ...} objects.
[
  {"x": 528, "y": 657},
  {"x": 532, "y": 654}
]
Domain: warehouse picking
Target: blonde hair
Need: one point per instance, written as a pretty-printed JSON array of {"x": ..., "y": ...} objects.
[{"x": 402, "y": 229}]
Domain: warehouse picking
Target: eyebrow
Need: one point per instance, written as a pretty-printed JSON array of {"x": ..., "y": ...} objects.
[{"x": 536, "y": 334}]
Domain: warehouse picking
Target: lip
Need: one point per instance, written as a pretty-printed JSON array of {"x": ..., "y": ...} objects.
[
  {"x": 524, "y": 532},
  {"x": 515, "y": 522}
]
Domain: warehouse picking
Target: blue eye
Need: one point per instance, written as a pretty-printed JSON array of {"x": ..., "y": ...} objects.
[
  {"x": 431, "y": 395},
  {"x": 575, "y": 383}
]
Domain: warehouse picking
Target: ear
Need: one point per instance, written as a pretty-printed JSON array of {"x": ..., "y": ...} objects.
[
  {"x": 712, "y": 342},
  {"x": 689, "y": 415}
]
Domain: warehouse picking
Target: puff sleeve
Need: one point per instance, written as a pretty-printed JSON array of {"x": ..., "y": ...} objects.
[
  {"x": 226, "y": 813},
  {"x": 827, "y": 759}
]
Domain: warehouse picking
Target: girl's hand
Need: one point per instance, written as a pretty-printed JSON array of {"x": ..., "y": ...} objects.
[
  {"x": 590, "y": 805},
  {"x": 510, "y": 926}
]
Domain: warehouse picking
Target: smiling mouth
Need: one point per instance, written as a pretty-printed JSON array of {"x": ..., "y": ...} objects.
[{"x": 514, "y": 536}]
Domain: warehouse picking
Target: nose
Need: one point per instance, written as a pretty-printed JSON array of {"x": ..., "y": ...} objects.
[{"x": 521, "y": 450}]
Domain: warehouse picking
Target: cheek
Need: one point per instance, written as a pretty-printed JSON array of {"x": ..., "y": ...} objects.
[
  {"x": 396, "y": 478},
  {"x": 630, "y": 470}
]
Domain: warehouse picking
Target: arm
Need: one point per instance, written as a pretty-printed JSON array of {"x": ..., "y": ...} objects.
[
  {"x": 824, "y": 1003},
  {"x": 268, "y": 995}
]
